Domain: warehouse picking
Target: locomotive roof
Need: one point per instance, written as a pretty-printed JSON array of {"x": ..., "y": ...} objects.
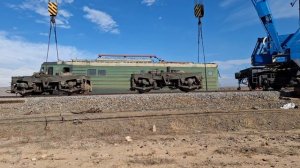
[{"x": 138, "y": 63}]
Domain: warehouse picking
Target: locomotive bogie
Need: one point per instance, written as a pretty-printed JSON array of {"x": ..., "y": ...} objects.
[
  {"x": 155, "y": 80},
  {"x": 41, "y": 83}
]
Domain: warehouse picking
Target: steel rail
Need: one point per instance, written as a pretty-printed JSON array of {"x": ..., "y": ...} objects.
[
  {"x": 132, "y": 115},
  {"x": 127, "y": 93}
]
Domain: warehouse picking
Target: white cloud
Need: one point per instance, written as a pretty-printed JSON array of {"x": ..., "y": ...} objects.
[
  {"x": 244, "y": 14},
  {"x": 148, "y": 2},
  {"x": 226, "y": 3},
  {"x": 65, "y": 1},
  {"x": 20, "y": 57},
  {"x": 65, "y": 13},
  {"x": 62, "y": 22},
  {"x": 44, "y": 34},
  {"x": 40, "y": 8},
  {"x": 241, "y": 17},
  {"x": 105, "y": 22},
  {"x": 230, "y": 64},
  {"x": 228, "y": 68},
  {"x": 228, "y": 80},
  {"x": 282, "y": 9}
]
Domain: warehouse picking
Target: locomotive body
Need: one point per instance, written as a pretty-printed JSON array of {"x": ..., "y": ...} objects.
[{"x": 112, "y": 74}]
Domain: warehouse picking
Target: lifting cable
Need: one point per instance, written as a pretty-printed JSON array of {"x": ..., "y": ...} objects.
[
  {"x": 52, "y": 9},
  {"x": 200, "y": 36},
  {"x": 199, "y": 13}
]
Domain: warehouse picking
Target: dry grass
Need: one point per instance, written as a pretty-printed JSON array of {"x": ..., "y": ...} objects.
[{"x": 178, "y": 126}]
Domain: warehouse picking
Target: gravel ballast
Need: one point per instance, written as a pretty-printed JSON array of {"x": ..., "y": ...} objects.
[{"x": 212, "y": 101}]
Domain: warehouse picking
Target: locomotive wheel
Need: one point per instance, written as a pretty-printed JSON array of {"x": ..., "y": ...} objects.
[{"x": 190, "y": 82}]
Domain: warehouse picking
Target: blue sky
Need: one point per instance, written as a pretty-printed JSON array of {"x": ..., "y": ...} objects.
[{"x": 166, "y": 28}]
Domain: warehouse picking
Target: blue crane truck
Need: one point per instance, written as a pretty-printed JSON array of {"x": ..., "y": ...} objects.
[{"x": 276, "y": 58}]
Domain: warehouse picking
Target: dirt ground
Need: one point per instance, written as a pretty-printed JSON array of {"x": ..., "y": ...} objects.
[
  {"x": 239, "y": 149},
  {"x": 218, "y": 130},
  {"x": 239, "y": 139}
]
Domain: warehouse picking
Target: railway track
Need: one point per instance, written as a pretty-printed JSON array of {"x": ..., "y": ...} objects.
[
  {"x": 79, "y": 118},
  {"x": 124, "y": 93}
]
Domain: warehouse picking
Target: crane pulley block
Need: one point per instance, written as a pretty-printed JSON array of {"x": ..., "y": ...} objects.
[
  {"x": 52, "y": 8},
  {"x": 199, "y": 10}
]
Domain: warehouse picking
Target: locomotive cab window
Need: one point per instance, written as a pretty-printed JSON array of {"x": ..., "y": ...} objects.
[
  {"x": 91, "y": 72},
  {"x": 50, "y": 70},
  {"x": 101, "y": 72}
]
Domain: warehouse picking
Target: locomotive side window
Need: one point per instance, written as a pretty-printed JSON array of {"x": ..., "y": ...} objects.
[
  {"x": 50, "y": 70},
  {"x": 66, "y": 69},
  {"x": 101, "y": 72},
  {"x": 91, "y": 72}
]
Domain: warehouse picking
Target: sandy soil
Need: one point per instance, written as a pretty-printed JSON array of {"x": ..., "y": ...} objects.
[
  {"x": 248, "y": 134},
  {"x": 239, "y": 149},
  {"x": 230, "y": 140}
]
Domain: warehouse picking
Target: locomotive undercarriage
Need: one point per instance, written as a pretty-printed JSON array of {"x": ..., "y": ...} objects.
[
  {"x": 41, "y": 83},
  {"x": 155, "y": 80}
]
